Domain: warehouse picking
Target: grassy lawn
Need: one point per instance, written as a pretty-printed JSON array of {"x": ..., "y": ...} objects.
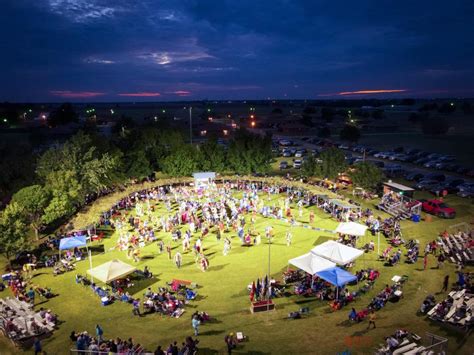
[{"x": 222, "y": 293}]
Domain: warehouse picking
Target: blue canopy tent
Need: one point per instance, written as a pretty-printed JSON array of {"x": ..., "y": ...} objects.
[
  {"x": 72, "y": 242},
  {"x": 336, "y": 276}
]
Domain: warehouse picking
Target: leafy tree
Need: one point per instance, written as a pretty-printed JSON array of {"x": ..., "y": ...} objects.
[
  {"x": 333, "y": 163},
  {"x": 99, "y": 173},
  {"x": 66, "y": 193},
  {"x": 33, "y": 200},
  {"x": 212, "y": 156},
  {"x": 13, "y": 231},
  {"x": 63, "y": 115},
  {"x": 350, "y": 133},
  {"x": 308, "y": 168},
  {"x": 182, "y": 162},
  {"x": 137, "y": 165},
  {"x": 367, "y": 175},
  {"x": 249, "y": 153},
  {"x": 324, "y": 132},
  {"x": 328, "y": 113}
]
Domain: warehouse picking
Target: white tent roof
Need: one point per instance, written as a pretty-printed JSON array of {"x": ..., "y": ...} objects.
[
  {"x": 339, "y": 253},
  {"x": 311, "y": 263},
  {"x": 206, "y": 175},
  {"x": 112, "y": 270},
  {"x": 351, "y": 228}
]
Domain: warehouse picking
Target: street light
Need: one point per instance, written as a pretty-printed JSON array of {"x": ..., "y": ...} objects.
[{"x": 252, "y": 123}]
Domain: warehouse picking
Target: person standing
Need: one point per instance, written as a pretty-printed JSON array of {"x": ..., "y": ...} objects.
[
  {"x": 288, "y": 238},
  {"x": 178, "y": 259},
  {"x": 371, "y": 319},
  {"x": 195, "y": 322},
  {"x": 161, "y": 246},
  {"x": 445, "y": 283},
  {"x": 425, "y": 261},
  {"x": 99, "y": 332},
  {"x": 136, "y": 307},
  {"x": 311, "y": 217},
  {"x": 168, "y": 249},
  {"x": 37, "y": 346}
]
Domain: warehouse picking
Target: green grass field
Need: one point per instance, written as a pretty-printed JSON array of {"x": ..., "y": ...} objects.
[{"x": 222, "y": 293}]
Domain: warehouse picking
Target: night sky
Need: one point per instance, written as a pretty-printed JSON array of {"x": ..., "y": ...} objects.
[{"x": 149, "y": 50}]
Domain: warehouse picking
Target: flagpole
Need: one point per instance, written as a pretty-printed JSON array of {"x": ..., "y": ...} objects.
[{"x": 269, "y": 277}]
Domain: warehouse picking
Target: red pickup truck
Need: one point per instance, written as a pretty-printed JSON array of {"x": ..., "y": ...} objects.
[{"x": 438, "y": 208}]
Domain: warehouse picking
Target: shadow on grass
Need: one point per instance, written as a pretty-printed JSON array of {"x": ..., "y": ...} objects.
[
  {"x": 141, "y": 284},
  {"x": 39, "y": 274},
  {"x": 212, "y": 332},
  {"x": 217, "y": 267},
  {"x": 207, "y": 351},
  {"x": 148, "y": 257}
]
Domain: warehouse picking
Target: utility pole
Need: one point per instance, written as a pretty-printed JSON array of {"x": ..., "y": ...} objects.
[{"x": 191, "y": 124}]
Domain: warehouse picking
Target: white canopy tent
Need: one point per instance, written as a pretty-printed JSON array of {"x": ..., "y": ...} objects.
[
  {"x": 351, "y": 228},
  {"x": 311, "y": 263},
  {"x": 112, "y": 270},
  {"x": 336, "y": 252}
]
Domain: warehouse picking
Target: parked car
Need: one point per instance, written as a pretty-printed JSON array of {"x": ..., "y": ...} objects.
[
  {"x": 286, "y": 154},
  {"x": 382, "y": 155},
  {"x": 436, "y": 176},
  {"x": 297, "y": 164},
  {"x": 414, "y": 176},
  {"x": 299, "y": 154},
  {"x": 431, "y": 163},
  {"x": 438, "y": 208},
  {"x": 285, "y": 142},
  {"x": 426, "y": 184},
  {"x": 377, "y": 163},
  {"x": 421, "y": 161},
  {"x": 283, "y": 165},
  {"x": 468, "y": 192}
]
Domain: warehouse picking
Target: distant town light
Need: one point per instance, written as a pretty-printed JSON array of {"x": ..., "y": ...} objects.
[
  {"x": 203, "y": 133},
  {"x": 352, "y": 121},
  {"x": 208, "y": 110},
  {"x": 164, "y": 111},
  {"x": 210, "y": 119},
  {"x": 226, "y": 132},
  {"x": 452, "y": 103},
  {"x": 30, "y": 110},
  {"x": 252, "y": 123},
  {"x": 5, "y": 120},
  {"x": 112, "y": 111},
  {"x": 393, "y": 106},
  {"x": 252, "y": 116}
]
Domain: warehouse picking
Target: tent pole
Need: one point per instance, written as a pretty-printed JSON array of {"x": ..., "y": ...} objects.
[
  {"x": 90, "y": 264},
  {"x": 378, "y": 242}
]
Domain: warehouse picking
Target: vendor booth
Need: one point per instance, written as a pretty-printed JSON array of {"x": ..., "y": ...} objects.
[
  {"x": 336, "y": 252},
  {"x": 112, "y": 270},
  {"x": 311, "y": 263},
  {"x": 351, "y": 228}
]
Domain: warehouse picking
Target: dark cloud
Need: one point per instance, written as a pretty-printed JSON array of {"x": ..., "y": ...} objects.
[{"x": 233, "y": 49}]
